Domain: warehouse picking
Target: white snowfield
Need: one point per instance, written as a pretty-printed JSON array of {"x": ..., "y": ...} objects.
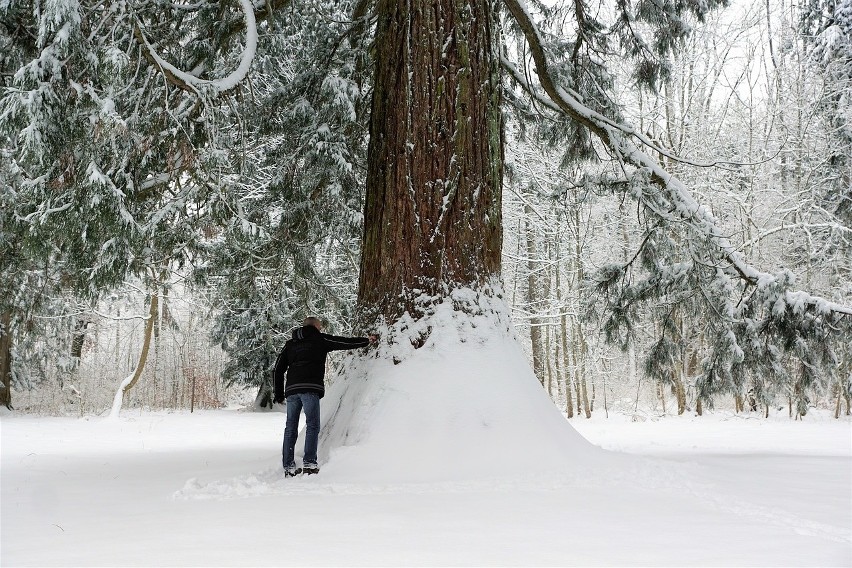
[
  {"x": 206, "y": 489},
  {"x": 453, "y": 457}
]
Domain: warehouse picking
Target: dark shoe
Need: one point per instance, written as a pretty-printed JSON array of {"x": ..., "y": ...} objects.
[
  {"x": 310, "y": 469},
  {"x": 292, "y": 471}
]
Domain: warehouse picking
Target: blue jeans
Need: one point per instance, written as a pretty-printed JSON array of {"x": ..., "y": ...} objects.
[{"x": 311, "y": 404}]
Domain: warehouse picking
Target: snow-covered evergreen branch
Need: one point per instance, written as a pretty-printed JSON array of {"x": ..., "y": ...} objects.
[
  {"x": 189, "y": 81},
  {"x": 673, "y": 195}
]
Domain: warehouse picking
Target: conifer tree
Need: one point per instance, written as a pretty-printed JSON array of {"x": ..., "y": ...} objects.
[
  {"x": 755, "y": 320},
  {"x": 161, "y": 134},
  {"x": 114, "y": 165},
  {"x": 290, "y": 248}
]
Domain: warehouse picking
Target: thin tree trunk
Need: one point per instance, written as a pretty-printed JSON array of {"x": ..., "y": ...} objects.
[
  {"x": 549, "y": 364},
  {"x": 264, "y": 396},
  {"x": 681, "y": 371},
  {"x": 691, "y": 373},
  {"x": 131, "y": 381},
  {"x": 78, "y": 338},
  {"x": 569, "y": 402},
  {"x": 532, "y": 299},
  {"x": 576, "y": 371},
  {"x": 580, "y": 376},
  {"x": 605, "y": 375},
  {"x": 577, "y": 389},
  {"x": 558, "y": 357},
  {"x": 563, "y": 326},
  {"x": 167, "y": 318},
  {"x": 634, "y": 374},
  {"x": 680, "y": 393},
  {"x": 579, "y": 338},
  {"x": 432, "y": 214},
  {"x": 517, "y": 265},
  {"x": 547, "y": 330},
  {"x": 6, "y": 359},
  {"x": 586, "y": 408}
]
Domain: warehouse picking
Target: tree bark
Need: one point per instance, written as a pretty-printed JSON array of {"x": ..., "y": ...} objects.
[
  {"x": 6, "y": 359},
  {"x": 837, "y": 407},
  {"x": 532, "y": 297},
  {"x": 565, "y": 376},
  {"x": 548, "y": 329},
  {"x": 79, "y": 336},
  {"x": 432, "y": 215},
  {"x": 680, "y": 393},
  {"x": 586, "y": 408},
  {"x": 264, "y": 396}
]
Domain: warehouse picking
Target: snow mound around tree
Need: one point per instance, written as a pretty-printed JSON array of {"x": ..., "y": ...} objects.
[{"x": 465, "y": 405}]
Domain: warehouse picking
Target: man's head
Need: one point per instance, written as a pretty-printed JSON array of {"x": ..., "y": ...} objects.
[{"x": 316, "y": 322}]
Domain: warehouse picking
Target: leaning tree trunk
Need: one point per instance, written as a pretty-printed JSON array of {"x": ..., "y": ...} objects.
[
  {"x": 432, "y": 217},
  {"x": 6, "y": 359},
  {"x": 129, "y": 382}
]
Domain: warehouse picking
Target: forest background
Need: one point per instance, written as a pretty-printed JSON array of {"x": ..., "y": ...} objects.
[{"x": 168, "y": 235}]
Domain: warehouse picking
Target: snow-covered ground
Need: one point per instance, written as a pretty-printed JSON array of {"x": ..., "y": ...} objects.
[
  {"x": 205, "y": 489},
  {"x": 451, "y": 454}
]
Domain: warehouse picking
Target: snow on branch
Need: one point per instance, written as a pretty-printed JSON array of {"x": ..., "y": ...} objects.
[
  {"x": 188, "y": 81},
  {"x": 619, "y": 138}
]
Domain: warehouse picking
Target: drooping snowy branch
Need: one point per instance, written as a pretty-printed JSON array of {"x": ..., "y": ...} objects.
[
  {"x": 674, "y": 200},
  {"x": 190, "y": 81}
]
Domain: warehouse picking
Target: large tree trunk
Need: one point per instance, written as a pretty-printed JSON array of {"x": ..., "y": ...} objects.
[
  {"x": 6, "y": 359},
  {"x": 432, "y": 217}
]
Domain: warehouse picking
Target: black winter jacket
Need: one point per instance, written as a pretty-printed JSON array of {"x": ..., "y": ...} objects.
[{"x": 303, "y": 361}]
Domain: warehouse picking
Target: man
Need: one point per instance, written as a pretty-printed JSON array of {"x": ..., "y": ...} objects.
[{"x": 303, "y": 362}]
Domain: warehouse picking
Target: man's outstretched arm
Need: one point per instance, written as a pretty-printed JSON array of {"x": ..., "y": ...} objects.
[{"x": 337, "y": 343}]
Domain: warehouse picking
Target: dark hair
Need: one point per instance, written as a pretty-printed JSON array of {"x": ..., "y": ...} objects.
[{"x": 314, "y": 321}]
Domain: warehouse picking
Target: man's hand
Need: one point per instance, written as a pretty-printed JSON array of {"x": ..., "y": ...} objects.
[
  {"x": 278, "y": 399},
  {"x": 374, "y": 338}
]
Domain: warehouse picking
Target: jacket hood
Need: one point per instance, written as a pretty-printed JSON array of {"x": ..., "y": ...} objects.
[{"x": 305, "y": 332}]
